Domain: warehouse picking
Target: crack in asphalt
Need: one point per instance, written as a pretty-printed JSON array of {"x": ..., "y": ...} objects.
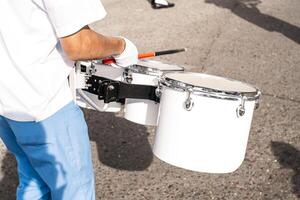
[
  {"x": 208, "y": 52},
  {"x": 282, "y": 98},
  {"x": 217, "y": 36}
]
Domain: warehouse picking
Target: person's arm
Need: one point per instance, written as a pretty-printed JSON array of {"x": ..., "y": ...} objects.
[
  {"x": 86, "y": 44},
  {"x": 83, "y": 43}
]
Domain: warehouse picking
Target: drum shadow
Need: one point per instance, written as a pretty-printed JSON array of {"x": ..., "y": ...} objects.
[
  {"x": 121, "y": 144},
  {"x": 247, "y": 10},
  {"x": 9, "y": 182},
  {"x": 288, "y": 157}
]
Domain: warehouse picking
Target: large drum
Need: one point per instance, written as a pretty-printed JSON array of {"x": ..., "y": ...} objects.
[
  {"x": 85, "y": 99},
  {"x": 145, "y": 73},
  {"x": 204, "y": 122}
]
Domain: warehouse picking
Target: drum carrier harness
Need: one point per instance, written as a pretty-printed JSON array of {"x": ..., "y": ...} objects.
[{"x": 116, "y": 91}]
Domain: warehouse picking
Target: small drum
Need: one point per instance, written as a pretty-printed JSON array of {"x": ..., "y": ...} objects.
[
  {"x": 204, "y": 122},
  {"x": 88, "y": 100},
  {"x": 145, "y": 73}
]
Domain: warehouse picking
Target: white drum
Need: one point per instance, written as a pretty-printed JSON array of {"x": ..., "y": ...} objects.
[
  {"x": 204, "y": 122},
  {"x": 88, "y": 100},
  {"x": 145, "y": 73}
]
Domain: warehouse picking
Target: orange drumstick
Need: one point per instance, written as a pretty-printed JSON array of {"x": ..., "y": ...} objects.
[{"x": 146, "y": 55}]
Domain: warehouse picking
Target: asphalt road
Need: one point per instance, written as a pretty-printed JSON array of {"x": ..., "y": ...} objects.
[{"x": 249, "y": 40}]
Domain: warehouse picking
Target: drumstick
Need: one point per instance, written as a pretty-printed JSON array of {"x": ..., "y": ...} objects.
[{"x": 147, "y": 55}]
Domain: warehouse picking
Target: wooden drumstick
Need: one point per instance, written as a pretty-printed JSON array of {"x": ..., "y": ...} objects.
[{"x": 147, "y": 55}]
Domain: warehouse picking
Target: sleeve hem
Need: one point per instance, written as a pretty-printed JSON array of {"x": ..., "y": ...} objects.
[{"x": 75, "y": 27}]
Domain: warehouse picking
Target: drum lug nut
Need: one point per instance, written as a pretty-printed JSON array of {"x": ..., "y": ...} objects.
[
  {"x": 127, "y": 77},
  {"x": 110, "y": 87},
  {"x": 158, "y": 89},
  {"x": 158, "y": 92},
  {"x": 240, "y": 111},
  {"x": 189, "y": 103},
  {"x": 257, "y": 100}
]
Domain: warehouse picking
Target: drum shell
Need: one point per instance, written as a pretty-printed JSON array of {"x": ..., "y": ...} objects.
[
  {"x": 142, "y": 111},
  {"x": 209, "y": 138},
  {"x": 109, "y": 72}
]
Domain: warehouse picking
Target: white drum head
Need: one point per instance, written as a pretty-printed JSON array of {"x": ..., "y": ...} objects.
[
  {"x": 210, "y": 82},
  {"x": 159, "y": 65}
]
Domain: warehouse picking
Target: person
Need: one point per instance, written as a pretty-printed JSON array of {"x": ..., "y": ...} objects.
[
  {"x": 158, "y": 4},
  {"x": 39, "y": 123}
]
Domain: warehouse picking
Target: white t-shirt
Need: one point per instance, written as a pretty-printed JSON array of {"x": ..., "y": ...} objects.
[{"x": 33, "y": 67}]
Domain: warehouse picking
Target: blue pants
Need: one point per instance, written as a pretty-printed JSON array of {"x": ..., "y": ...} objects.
[{"x": 53, "y": 156}]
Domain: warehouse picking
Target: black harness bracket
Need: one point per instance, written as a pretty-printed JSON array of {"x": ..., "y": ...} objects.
[{"x": 117, "y": 91}]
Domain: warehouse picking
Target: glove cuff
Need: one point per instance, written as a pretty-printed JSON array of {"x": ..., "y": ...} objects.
[{"x": 125, "y": 51}]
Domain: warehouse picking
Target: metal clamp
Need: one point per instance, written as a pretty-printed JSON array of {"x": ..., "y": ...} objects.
[
  {"x": 240, "y": 110},
  {"x": 86, "y": 68},
  {"x": 189, "y": 102}
]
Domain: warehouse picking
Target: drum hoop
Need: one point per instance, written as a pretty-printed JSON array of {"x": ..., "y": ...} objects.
[
  {"x": 209, "y": 92},
  {"x": 138, "y": 68}
]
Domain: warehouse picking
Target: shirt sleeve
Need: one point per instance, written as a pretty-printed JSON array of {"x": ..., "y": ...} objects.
[{"x": 69, "y": 16}]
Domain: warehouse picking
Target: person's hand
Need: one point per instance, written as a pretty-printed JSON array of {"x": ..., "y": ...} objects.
[{"x": 129, "y": 56}]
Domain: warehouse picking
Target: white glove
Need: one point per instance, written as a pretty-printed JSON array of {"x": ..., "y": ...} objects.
[{"x": 129, "y": 56}]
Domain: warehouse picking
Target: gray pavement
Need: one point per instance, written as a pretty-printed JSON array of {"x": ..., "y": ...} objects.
[{"x": 253, "y": 41}]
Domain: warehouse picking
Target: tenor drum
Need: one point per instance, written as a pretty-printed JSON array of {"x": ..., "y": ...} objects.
[
  {"x": 96, "y": 68},
  {"x": 145, "y": 73},
  {"x": 204, "y": 122}
]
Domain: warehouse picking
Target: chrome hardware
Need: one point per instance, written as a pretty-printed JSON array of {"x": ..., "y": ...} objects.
[
  {"x": 158, "y": 89},
  {"x": 87, "y": 86},
  {"x": 210, "y": 92},
  {"x": 257, "y": 100},
  {"x": 189, "y": 103},
  {"x": 87, "y": 77},
  {"x": 93, "y": 70},
  {"x": 127, "y": 77},
  {"x": 158, "y": 92},
  {"x": 240, "y": 111},
  {"x": 110, "y": 87},
  {"x": 90, "y": 70},
  {"x": 86, "y": 68}
]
